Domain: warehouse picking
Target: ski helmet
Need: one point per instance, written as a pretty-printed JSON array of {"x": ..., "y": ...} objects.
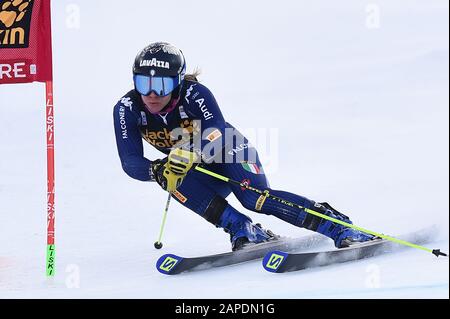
[{"x": 160, "y": 68}]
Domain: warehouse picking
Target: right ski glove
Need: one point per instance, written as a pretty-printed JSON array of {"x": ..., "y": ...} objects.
[{"x": 170, "y": 171}]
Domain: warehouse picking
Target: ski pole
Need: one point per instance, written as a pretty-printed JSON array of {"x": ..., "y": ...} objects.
[
  {"x": 436, "y": 252},
  {"x": 158, "y": 243}
]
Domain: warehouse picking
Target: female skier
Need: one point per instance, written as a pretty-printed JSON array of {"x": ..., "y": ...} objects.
[{"x": 180, "y": 117}]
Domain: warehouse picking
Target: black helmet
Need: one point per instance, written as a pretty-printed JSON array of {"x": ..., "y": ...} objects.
[{"x": 159, "y": 68}]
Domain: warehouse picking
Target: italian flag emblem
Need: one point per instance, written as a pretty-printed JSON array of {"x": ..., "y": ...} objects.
[{"x": 251, "y": 167}]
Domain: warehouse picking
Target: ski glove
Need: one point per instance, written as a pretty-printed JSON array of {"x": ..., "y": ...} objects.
[{"x": 170, "y": 171}]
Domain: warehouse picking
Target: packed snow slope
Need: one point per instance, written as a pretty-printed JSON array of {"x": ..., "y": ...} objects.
[{"x": 351, "y": 103}]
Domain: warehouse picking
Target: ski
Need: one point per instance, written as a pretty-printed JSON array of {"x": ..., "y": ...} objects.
[
  {"x": 279, "y": 261},
  {"x": 170, "y": 264}
]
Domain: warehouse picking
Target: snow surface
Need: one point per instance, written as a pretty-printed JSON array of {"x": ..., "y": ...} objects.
[{"x": 361, "y": 113}]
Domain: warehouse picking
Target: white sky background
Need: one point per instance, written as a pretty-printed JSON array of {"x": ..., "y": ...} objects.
[{"x": 361, "y": 110}]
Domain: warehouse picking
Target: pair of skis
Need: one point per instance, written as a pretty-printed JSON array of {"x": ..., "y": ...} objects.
[
  {"x": 278, "y": 256},
  {"x": 281, "y": 255}
]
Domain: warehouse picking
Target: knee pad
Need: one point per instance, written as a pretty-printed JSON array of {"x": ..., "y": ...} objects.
[{"x": 215, "y": 209}]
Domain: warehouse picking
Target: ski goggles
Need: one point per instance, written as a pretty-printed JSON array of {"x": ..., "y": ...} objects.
[{"x": 162, "y": 86}]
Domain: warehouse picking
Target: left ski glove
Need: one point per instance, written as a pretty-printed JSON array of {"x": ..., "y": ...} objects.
[{"x": 170, "y": 171}]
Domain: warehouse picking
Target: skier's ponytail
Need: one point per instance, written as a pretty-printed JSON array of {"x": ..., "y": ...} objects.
[{"x": 193, "y": 76}]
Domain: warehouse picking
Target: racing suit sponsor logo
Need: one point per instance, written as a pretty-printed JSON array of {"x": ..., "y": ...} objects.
[
  {"x": 160, "y": 139},
  {"x": 188, "y": 93},
  {"x": 126, "y": 101},
  {"x": 204, "y": 108},
  {"x": 167, "y": 139},
  {"x": 214, "y": 135},
  {"x": 123, "y": 122},
  {"x": 180, "y": 196}
]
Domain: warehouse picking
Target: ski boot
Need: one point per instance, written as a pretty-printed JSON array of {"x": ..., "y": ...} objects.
[
  {"x": 249, "y": 234},
  {"x": 342, "y": 236},
  {"x": 348, "y": 237},
  {"x": 242, "y": 232}
]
